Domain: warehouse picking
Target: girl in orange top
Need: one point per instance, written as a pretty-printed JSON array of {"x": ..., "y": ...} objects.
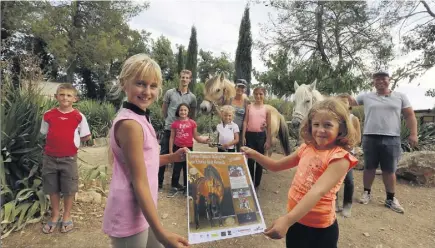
[{"x": 323, "y": 161}]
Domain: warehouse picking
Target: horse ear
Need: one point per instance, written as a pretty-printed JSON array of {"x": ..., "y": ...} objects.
[
  {"x": 222, "y": 76},
  {"x": 296, "y": 85},
  {"x": 313, "y": 85}
]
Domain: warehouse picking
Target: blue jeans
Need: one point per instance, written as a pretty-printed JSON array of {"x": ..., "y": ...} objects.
[{"x": 348, "y": 188}]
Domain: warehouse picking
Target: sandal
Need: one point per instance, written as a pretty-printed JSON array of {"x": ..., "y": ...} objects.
[
  {"x": 50, "y": 226},
  {"x": 66, "y": 226}
]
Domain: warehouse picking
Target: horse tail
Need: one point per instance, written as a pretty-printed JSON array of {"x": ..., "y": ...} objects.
[{"x": 284, "y": 136}]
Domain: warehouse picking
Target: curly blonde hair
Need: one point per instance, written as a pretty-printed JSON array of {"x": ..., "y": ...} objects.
[
  {"x": 226, "y": 109},
  {"x": 346, "y": 135}
]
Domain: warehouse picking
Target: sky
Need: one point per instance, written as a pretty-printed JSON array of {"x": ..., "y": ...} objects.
[{"x": 217, "y": 23}]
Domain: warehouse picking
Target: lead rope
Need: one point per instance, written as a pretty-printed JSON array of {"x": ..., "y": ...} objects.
[{"x": 213, "y": 142}]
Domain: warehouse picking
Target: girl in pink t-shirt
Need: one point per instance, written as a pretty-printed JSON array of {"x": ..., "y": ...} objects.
[
  {"x": 183, "y": 131},
  {"x": 322, "y": 163},
  {"x": 256, "y": 133},
  {"x": 130, "y": 217}
]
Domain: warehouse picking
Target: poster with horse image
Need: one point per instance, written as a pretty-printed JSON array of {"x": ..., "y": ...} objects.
[{"x": 221, "y": 201}]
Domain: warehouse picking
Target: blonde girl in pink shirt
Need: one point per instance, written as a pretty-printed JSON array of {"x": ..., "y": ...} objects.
[{"x": 130, "y": 216}]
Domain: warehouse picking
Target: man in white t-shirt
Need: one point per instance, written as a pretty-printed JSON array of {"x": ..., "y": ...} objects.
[{"x": 228, "y": 130}]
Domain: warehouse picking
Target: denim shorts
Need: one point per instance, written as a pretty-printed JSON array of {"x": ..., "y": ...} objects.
[{"x": 381, "y": 150}]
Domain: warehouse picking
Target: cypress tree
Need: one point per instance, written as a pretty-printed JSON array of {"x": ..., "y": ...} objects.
[
  {"x": 180, "y": 60},
  {"x": 243, "y": 61},
  {"x": 192, "y": 57}
]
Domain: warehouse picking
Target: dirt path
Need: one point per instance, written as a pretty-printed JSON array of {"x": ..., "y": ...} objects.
[{"x": 415, "y": 228}]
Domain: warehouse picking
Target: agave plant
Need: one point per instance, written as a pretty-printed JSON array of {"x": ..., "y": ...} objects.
[
  {"x": 99, "y": 116},
  {"x": 22, "y": 201},
  {"x": 426, "y": 137}
]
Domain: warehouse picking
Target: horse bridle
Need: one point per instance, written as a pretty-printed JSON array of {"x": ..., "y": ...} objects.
[
  {"x": 214, "y": 106},
  {"x": 299, "y": 116}
]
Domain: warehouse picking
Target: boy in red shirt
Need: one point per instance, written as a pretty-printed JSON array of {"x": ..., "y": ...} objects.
[{"x": 64, "y": 127}]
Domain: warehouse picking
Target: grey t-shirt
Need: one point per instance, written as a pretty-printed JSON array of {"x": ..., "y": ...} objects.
[
  {"x": 173, "y": 98},
  {"x": 382, "y": 113}
]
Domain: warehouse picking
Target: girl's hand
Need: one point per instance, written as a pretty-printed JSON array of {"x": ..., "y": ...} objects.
[
  {"x": 248, "y": 152},
  {"x": 225, "y": 146},
  {"x": 267, "y": 145},
  {"x": 173, "y": 240},
  {"x": 205, "y": 141},
  {"x": 279, "y": 228},
  {"x": 180, "y": 154}
]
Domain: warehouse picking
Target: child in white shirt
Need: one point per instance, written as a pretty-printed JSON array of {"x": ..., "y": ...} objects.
[{"x": 228, "y": 131}]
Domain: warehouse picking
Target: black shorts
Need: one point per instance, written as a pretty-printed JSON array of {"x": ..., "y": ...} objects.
[{"x": 381, "y": 150}]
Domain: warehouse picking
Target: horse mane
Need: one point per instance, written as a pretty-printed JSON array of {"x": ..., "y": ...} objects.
[
  {"x": 215, "y": 83},
  {"x": 304, "y": 92},
  {"x": 318, "y": 96},
  {"x": 210, "y": 171}
]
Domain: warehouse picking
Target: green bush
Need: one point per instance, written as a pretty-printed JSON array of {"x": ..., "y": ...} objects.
[
  {"x": 22, "y": 198},
  {"x": 99, "y": 116},
  {"x": 207, "y": 123},
  {"x": 284, "y": 107},
  {"x": 426, "y": 137}
]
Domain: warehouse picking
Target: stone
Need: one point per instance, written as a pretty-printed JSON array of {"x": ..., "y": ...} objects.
[
  {"x": 418, "y": 167},
  {"x": 101, "y": 141},
  {"x": 366, "y": 234},
  {"x": 89, "y": 197}
]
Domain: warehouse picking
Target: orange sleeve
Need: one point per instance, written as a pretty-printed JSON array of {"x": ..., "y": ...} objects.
[
  {"x": 346, "y": 155},
  {"x": 301, "y": 149}
]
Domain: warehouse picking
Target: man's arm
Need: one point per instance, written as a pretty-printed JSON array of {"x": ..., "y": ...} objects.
[
  {"x": 165, "y": 110},
  {"x": 411, "y": 121},
  {"x": 192, "y": 112},
  {"x": 165, "y": 105},
  {"x": 358, "y": 100}
]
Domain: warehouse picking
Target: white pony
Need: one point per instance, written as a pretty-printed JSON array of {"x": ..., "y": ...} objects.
[{"x": 304, "y": 98}]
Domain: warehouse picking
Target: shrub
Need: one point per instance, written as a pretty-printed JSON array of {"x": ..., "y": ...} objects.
[
  {"x": 284, "y": 107},
  {"x": 426, "y": 137},
  {"x": 23, "y": 200},
  {"x": 99, "y": 116},
  {"x": 207, "y": 123}
]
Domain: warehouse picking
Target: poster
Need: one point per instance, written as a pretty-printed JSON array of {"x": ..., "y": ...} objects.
[{"x": 221, "y": 198}]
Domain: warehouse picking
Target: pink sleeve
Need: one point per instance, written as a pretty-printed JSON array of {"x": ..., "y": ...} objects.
[
  {"x": 174, "y": 125},
  {"x": 193, "y": 123}
]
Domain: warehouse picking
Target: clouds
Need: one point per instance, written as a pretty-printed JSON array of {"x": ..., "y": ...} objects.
[{"x": 217, "y": 23}]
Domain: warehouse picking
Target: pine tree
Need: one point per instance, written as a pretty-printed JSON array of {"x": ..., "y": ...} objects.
[
  {"x": 243, "y": 62},
  {"x": 192, "y": 57},
  {"x": 180, "y": 60}
]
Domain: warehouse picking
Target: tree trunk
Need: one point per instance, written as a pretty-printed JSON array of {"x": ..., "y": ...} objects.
[
  {"x": 73, "y": 37},
  {"x": 319, "y": 27}
]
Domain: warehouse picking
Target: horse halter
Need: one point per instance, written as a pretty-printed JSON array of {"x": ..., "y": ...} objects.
[{"x": 298, "y": 115}]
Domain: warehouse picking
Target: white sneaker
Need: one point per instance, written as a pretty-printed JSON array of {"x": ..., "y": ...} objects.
[
  {"x": 347, "y": 210},
  {"x": 337, "y": 206},
  {"x": 365, "y": 198},
  {"x": 394, "y": 205}
]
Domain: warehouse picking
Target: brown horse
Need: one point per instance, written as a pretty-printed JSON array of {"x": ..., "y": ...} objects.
[
  {"x": 219, "y": 90},
  {"x": 211, "y": 188}
]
